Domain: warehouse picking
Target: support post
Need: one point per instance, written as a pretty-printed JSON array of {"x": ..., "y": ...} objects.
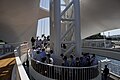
[
  {"x": 57, "y": 26},
  {"x": 77, "y": 28},
  {"x": 51, "y": 25}
]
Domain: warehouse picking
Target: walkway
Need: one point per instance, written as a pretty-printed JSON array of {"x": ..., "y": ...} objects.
[
  {"x": 6, "y": 66},
  {"x": 108, "y": 78}
]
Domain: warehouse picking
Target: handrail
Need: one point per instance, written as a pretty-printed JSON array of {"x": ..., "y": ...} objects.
[
  {"x": 64, "y": 66},
  {"x": 103, "y": 49},
  {"x": 65, "y": 73},
  {"x": 21, "y": 73},
  {"x": 116, "y": 71}
]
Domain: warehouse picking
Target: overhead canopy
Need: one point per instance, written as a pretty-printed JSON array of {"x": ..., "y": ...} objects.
[
  {"x": 18, "y": 19},
  {"x": 98, "y": 16}
]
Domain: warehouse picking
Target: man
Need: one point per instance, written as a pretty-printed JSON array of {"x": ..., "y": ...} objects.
[
  {"x": 33, "y": 41},
  {"x": 72, "y": 61},
  {"x": 105, "y": 72},
  {"x": 43, "y": 55},
  {"x": 93, "y": 60}
]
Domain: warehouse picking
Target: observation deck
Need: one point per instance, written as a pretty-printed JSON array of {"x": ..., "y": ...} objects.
[
  {"x": 65, "y": 73},
  {"x": 39, "y": 70}
]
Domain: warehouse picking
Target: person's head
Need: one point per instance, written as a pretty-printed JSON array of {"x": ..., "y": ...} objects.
[
  {"x": 65, "y": 58},
  {"x": 43, "y": 49},
  {"x": 33, "y": 48},
  {"x": 93, "y": 55},
  {"x": 83, "y": 54},
  {"x": 71, "y": 56},
  {"x": 77, "y": 58},
  {"x": 105, "y": 66},
  {"x": 61, "y": 55},
  {"x": 37, "y": 37},
  {"x": 51, "y": 51},
  {"x": 48, "y": 37},
  {"x": 87, "y": 54},
  {"x": 43, "y": 35},
  {"x": 37, "y": 52}
]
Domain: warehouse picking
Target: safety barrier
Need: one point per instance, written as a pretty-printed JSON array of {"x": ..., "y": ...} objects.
[
  {"x": 65, "y": 73},
  {"x": 19, "y": 72}
]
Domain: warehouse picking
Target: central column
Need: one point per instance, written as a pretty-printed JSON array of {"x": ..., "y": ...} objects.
[
  {"x": 57, "y": 26},
  {"x": 77, "y": 28},
  {"x": 51, "y": 7}
]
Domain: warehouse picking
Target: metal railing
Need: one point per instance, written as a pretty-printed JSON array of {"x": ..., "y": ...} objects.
[
  {"x": 98, "y": 43},
  {"x": 19, "y": 72},
  {"x": 6, "y": 48},
  {"x": 113, "y": 68},
  {"x": 65, "y": 73}
]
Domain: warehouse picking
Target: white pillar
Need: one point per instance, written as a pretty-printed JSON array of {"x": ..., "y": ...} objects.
[
  {"x": 77, "y": 28},
  {"x": 51, "y": 25},
  {"x": 57, "y": 26}
]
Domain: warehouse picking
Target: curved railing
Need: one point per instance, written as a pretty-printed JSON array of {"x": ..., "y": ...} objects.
[
  {"x": 6, "y": 48},
  {"x": 19, "y": 72},
  {"x": 65, "y": 73}
]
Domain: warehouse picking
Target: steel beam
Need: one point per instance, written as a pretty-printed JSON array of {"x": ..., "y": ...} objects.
[
  {"x": 77, "y": 29},
  {"x": 57, "y": 26},
  {"x": 63, "y": 12}
]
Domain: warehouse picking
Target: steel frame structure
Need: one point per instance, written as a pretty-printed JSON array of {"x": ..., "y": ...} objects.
[{"x": 73, "y": 27}]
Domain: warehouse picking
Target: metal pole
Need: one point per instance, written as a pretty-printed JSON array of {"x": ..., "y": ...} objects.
[
  {"x": 51, "y": 25},
  {"x": 57, "y": 22},
  {"x": 77, "y": 28},
  {"x": 104, "y": 40}
]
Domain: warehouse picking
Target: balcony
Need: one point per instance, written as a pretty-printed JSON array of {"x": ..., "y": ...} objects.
[{"x": 65, "y": 73}]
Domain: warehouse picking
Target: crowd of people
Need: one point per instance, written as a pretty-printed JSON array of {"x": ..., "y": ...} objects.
[
  {"x": 39, "y": 53},
  {"x": 40, "y": 43},
  {"x": 83, "y": 61},
  {"x": 42, "y": 55}
]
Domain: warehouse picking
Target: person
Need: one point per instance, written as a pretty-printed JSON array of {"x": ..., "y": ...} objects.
[
  {"x": 88, "y": 63},
  {"x": 64, "y": 46},
  {"x": 65, "y": 62},
  {"x": 81, "y": 62},
  {"x": 37, "y": 41},
  {"x": 33, "y": 55},
  {"x": 48, "y": 38},
  {"x": 45, "y": 41},
  {"x": 93, "y": 60},
  {"x": 62, "y": 56},
  {"x": 33, "y": 41},
  {"x": 49, "y": 60},
  {"x": 72, "y": 61},
  {"x": 38, "y": 58},
  {"x": 64, "y": 71},
  {"x": 40, "y": 43},
  {"x": 105, "y": 72},
  {"x": 43, "y": 55},
  {"x": 84, "y": 60},
  {"x": 77, "y": 63}
]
